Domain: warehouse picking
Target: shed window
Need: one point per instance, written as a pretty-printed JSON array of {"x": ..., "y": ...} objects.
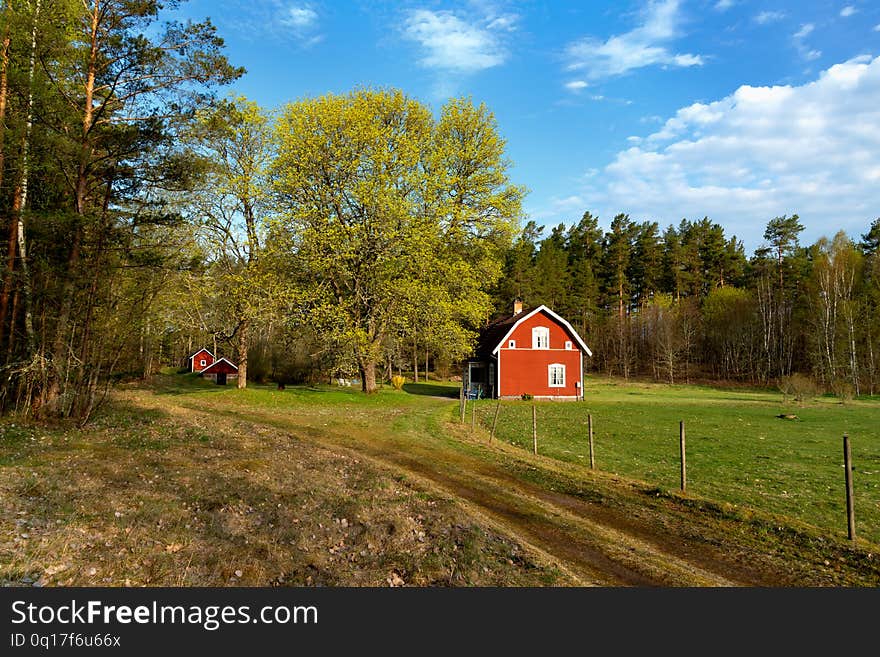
[
  {"x": 511, "y": 344},
  {"x": 540, "y": 337},
  {"x": 203, "y": 362},
  {"x": 568, "y": 344},
  {"x": 556, "y": 375}
]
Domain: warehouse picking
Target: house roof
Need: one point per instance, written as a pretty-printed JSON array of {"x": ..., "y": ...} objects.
[
  {"x": 200, "y": 351},
  {"x": 216, "y": 365},
  {"x": 496, "y": 333},
  {"x": 491, "y": 336}
]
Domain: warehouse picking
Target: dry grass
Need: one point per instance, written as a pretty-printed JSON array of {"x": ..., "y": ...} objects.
[{"x": 171, "y": 497}]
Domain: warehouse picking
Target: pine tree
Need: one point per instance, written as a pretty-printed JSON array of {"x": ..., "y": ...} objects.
[
  {"x": 551, "y": 276},
  {"x": 646, "y": 267},
  {"x": 584, "y": 244}
]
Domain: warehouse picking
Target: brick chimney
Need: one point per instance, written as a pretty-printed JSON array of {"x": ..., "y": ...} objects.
[{"x": 517, "y": 307}]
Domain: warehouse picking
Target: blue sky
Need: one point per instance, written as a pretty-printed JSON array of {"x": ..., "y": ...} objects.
[{"x": 738, "y": 110}]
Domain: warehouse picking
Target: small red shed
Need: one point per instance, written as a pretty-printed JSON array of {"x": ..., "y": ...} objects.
[
  {"x": 200, "y": 360},
  {"x": 220, "y": 370},
  {"x": 536, "y": 352}
]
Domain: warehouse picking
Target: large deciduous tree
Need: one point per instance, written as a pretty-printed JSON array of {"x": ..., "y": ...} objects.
[{"x": 393, "y": 220}]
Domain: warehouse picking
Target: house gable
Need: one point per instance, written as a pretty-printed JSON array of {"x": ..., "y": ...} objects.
[
  {"x": 200, "y": 360},
  {"x": 541, "y": 317}
]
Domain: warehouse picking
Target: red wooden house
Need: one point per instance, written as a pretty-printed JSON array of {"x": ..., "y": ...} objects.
[
  {"x": 536, "y": 352},
  {"x": 200, "y": 360},
  {"x": 220, "y": 370}
]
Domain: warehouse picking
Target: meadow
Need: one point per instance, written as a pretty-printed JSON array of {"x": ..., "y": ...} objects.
[
  {"x": 182, "y": 482},
  {"x": 738, "y": 448}
]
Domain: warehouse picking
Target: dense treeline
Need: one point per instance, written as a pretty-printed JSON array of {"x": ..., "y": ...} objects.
[
  {"x": 90, "y": 113},
  {"x": 686, "y": 302}
]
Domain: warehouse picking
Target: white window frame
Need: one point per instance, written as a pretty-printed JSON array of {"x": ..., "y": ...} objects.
[
  {"x": 203, "y": 362},
  {"x": 550, "y": 370},
  {"x": 568, "y": 344},
  {"x": 540, "y": 337},
  {"x": 511, "y": 344}
]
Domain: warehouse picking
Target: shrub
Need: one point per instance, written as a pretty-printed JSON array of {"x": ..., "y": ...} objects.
[
  {"x": 527, "y": 397},
  {"x": 798, "y": 386},
  {"x": 843, "y": 389},
  {"x": 397, "y": 382}
]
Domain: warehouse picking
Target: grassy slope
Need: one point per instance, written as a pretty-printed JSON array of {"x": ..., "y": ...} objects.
[{"x": 738, "y": 451}]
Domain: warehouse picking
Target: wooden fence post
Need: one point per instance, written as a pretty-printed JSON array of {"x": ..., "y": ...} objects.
[
  {"x": 534, "y": 428},
  {"x": 462, "y": 403},
  {"x": 590, "y": 425},
  {"x": 850, "y": 512},
  {"x": 683, "y": 461},
  {"x": 473, "y": 416},
  {"x": 495, "y": 420}
]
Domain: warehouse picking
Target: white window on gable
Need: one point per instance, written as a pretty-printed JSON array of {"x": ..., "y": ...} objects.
[
  {"x": 203, "y": 362},
  {"x": 540, "y": 337},
  {"x": 568, "y": 344},
  {"x": 556, "y": 375},
  {"x": 511, "y": 344}
]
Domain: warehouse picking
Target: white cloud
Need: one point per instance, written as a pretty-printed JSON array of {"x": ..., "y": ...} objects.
[
  {"x": 452, "y": 44},
  {"x": 765, "y": 17},
  {"x": 758, "y": 153},
  {"x": 576, "y": 85},
  {"x": 848, "y": 11},
  {"x": 506, "y": 22},
  {"x": 805, "y": 31},
  {"x": 294, "y": 22},
  {"x": 877, "y": 27},
  {"x": 298, "y": 17},
  {"x": 724, "y": 5},
  {"x": 798, "y": 37},
  {"x": 645, "y": 45}
]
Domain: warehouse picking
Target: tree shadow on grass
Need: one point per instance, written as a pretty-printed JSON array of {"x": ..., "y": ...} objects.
[{"x": 432, "y": 390}]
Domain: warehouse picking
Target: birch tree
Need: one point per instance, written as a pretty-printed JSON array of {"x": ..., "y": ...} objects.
[{"x": 232, "y": 205}]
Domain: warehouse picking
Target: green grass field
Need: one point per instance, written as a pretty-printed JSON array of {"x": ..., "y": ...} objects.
[
  {"x": 738, "y": 450},
  {"x": 181, "y": 476}
]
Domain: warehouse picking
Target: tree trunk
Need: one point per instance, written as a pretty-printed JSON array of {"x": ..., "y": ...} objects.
[
  {"x": 853, "y": 357},
  {"x": 10, "y": 344},
  {"x": 415, "y": 363},
  {"x": 146, "y": 349},
  {"x": 10, "y": 250},
  {"x": 368, "y": 376},
  {"x": 243, "y": 339}
]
